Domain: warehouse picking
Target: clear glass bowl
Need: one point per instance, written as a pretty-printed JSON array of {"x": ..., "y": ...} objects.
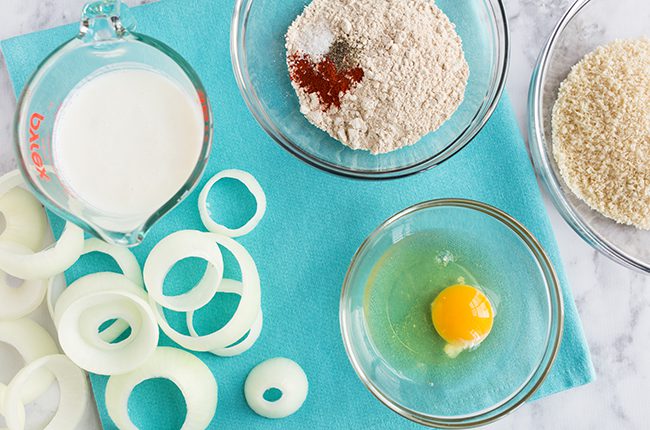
[
  {"x": 509, "y": 365},
  {"x": 258, "y": 56},
  {"x": 586, "y": 25}
]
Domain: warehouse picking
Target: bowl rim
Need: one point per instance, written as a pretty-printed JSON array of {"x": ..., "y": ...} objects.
[
  {"x": 239, "y": 61},
  {"x": 542, "y": 162},
  {"x": 555, "y": 329}
]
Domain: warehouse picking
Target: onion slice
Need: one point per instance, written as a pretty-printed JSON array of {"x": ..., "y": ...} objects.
[
  {"x": 73, "y": 392},
  {"x": 46, "y": 263},
  {"x": 191, "y": 375},
  {"x": 89, "y": 302},
  {"x": 129, "y": 266},
  {"x": 32, "y": 342},
  {"x": 19, "y": 301},
  {"x": 124, "y": 258},
  {"x": 233, "y": 287},
  {"x": 253, "y": 186},
  {"x": 282, "y": 374},
  {"x": 170, "y": 250},
  {"x": 25, "y": 219},
  {"x": 127, "y": 263},
  {"x": 244, "y": 316}
]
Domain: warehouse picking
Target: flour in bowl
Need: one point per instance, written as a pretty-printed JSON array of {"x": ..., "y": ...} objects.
[{"x": 376, "y": 75}]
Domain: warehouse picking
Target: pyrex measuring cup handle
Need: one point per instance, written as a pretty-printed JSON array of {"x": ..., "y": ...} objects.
[{"x": 105, "y": 20}]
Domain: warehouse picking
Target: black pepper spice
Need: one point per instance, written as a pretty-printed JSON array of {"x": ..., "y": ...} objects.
[{"x": 343, "y": 54}]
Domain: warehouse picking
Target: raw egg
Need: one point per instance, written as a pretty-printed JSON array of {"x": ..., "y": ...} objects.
[{"x": 463, "y": 316}]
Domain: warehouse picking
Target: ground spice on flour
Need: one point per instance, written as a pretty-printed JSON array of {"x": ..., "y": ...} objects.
[
  {"x": 324, "y": 78},
  {"x": 376, "y": 74}
]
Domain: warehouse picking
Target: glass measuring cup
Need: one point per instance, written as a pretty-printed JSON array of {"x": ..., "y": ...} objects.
[{"x": 106, "y": 41}]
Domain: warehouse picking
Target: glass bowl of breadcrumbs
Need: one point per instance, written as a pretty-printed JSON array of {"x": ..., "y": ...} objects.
[{"x": 589, "y": 125}]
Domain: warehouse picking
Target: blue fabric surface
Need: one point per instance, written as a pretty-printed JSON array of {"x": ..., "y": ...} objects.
[{"x": 313, "y": 225}]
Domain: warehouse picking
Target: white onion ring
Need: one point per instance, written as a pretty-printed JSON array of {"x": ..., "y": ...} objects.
[
  {"x": 127, "y": 263},
  {"x": 73, "y": 389},
  {"x": 173, "y": 248},
  {"x": 191, "y": 375},
  {"x": 255, "y": 189},
  {"x": 93, "y": 300},
  {"x": 43, "y": 264},
  {"x": 16, "y": 302},
  {"x": 124, "y": 258},
  {"x": 25, "y": 220},
  {"x": 32, "y": 342},
  {"x": 233, "y": 287},
  {"x": 129, "y": 266},
  {"x": 244, "y": 316},
  {"x": 54, "y": 291},
  {"x": 282, "y": 374},
  {"x": 3, "y": 390}
]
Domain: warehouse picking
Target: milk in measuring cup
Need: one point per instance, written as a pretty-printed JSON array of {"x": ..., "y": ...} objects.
[{"x": 126, "y": 140}]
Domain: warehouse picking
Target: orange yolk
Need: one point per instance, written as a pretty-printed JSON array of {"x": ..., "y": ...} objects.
[{"x": 463, "y": 316}]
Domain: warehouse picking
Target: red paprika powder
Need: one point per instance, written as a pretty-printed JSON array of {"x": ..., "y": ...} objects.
[{"x": 323, "y": 78}]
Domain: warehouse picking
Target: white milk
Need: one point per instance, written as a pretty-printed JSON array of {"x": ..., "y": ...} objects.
[{"x": 126, "y": 141}]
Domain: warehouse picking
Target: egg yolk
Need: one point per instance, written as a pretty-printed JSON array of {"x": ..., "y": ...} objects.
[{"x": 463, "y": 316}]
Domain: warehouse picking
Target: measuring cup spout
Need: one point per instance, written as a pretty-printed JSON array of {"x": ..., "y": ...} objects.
[{"x": 105, "y": 20}]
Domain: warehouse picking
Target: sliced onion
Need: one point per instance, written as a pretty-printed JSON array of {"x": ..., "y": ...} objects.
[
  {"x": 244, "y": 316},
  {"x": 233, "y": 287},
  {"x": 3, "y": 390},
  {"x": 32, "y": 342},
  {"x": 255, "y": 189},
  {"x": 282, "y": 374},
  {"x": 89, "y": 302},
  {"x": 124, "y": 258},
  {"x": 127, "y": 263},
  {"x": 191, "y": 375},
  {"x": 19, "y": 301},
  {"x": 54, "y": 290},
  {"x": 25, "y": 219},
  {"x": 129, "y": 266},
  {"x": 43, "y": 264},
  {"x": 73, "y": 393},
  {"x": 170, "y": 250}
]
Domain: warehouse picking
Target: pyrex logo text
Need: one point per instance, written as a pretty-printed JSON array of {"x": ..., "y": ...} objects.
[{"x": 34, "y": 144}]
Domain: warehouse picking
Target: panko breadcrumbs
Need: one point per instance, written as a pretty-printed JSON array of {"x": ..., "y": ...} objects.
[{"x": 601, "y": 131}]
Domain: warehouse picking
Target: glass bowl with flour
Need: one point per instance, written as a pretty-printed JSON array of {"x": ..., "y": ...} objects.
[
  {"x": 113, "y": 129},
  {"x": 371, "y": 90}
]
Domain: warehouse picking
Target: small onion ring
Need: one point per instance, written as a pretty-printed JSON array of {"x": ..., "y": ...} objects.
[
  {"x": 191, "y": 375},
  {"x": 129, "y": 266},
  {"x": 3, "y": 390},
  {"x": 43, "y": 264},
  {"x": 282, "y": 374},
  {"x": 32, "y": 342},
  {"x": 123, "y": 257},
  {"x": 255, "y": 189},
  {"x": 89, "y": 302},
  {"x": 233, "y": 287},
  {"x": 73, "y": 389},
  {"x": 173, "y": 248},
  {"x": 54, "y": 291},
  {"x": 244, "y": 316},
  {"x": 127, "y": 263},
  {"x": 25, "y": 220},
  {"x": 16, "y": 302}
]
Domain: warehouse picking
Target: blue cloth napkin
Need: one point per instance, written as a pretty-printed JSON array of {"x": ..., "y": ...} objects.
[{"x": 313, "y": 225}]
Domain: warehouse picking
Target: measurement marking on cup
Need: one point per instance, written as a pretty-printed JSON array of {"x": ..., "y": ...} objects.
[{"x": 34, "y": 145}]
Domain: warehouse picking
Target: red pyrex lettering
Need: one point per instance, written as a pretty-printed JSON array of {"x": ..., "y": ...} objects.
[{"x": 34, "y": 144}]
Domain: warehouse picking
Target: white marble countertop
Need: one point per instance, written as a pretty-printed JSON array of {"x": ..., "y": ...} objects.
[{"x": 614, "y": 303}]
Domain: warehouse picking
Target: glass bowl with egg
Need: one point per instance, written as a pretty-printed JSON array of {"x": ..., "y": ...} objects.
[
  {"x": 451, "y": 313},
  {"x": 260, "y": 59},
  {"x": 611, "y": 164}
]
